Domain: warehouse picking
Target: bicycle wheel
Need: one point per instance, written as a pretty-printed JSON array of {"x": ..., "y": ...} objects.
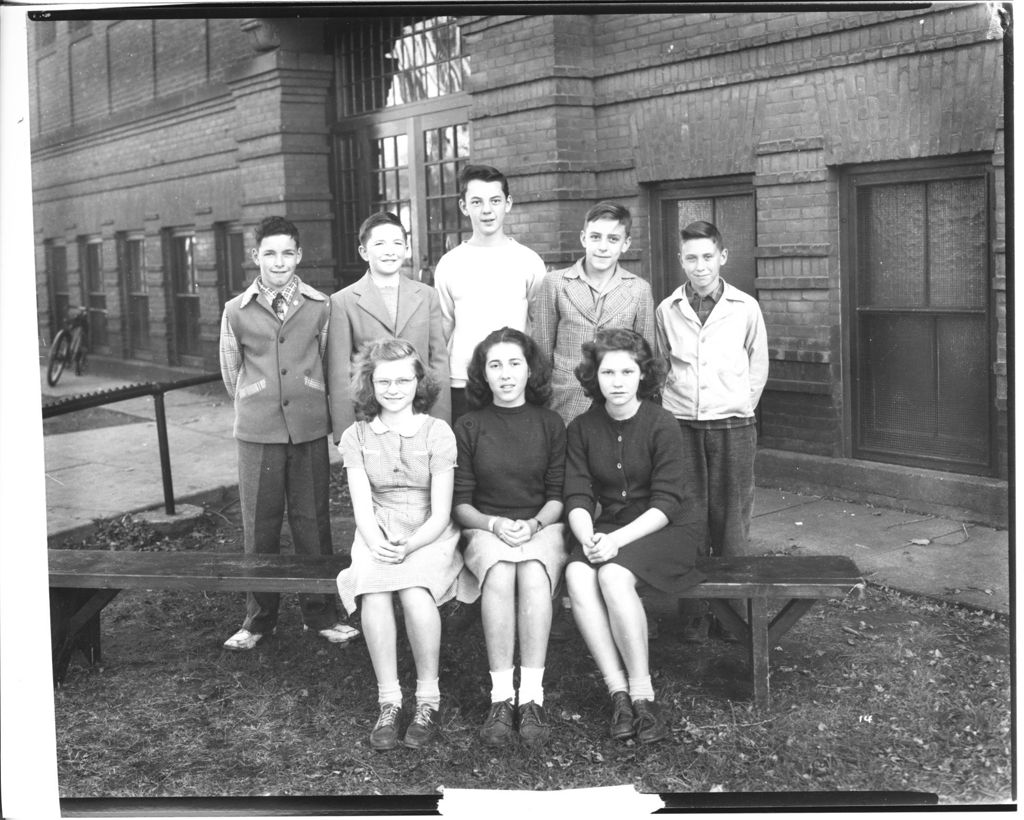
[
  {"x": 60, "y": 353},
  {"x": 78, "y": 351}
]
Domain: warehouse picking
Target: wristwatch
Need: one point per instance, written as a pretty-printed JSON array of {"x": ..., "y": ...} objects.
[{"x": 540, "y": 524}]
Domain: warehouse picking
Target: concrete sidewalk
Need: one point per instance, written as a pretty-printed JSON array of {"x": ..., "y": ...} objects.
[{"x": 106, "y": 472}]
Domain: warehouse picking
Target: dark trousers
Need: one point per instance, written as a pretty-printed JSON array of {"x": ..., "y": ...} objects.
[
  {"x": 720, "y": 471},
  {"x": 271, "y": 477}
]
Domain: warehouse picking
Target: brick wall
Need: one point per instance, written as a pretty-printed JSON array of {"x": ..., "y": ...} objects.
[
  {"x": 603, "y": 106},
  {"x": 164, "y": 128}
]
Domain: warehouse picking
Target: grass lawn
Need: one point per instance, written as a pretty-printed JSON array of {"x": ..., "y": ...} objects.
[{"x": 885, "y": 692}]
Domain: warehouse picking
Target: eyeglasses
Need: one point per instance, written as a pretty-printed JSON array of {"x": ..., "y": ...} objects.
[{"x": 384, "y": 384}]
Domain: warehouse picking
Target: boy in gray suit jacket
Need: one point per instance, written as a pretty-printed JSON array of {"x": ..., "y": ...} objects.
[
  {"x": 272, "y": 342},
  {"x": 383, "y": 304}
]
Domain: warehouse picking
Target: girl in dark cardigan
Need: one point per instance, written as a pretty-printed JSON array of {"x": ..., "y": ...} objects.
[{"x": 633, "y": 525}]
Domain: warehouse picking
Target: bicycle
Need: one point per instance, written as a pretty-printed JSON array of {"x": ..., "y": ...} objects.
[{"x": 70, "y": 345}]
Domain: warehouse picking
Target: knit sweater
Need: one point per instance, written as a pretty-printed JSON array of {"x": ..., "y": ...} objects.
[{"x": 511, "y": 460}]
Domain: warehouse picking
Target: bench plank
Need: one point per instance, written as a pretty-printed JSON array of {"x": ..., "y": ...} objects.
[{"x": 214, "y": 571}]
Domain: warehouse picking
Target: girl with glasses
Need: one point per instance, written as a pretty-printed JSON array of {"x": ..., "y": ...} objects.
[{"x": 400, "y": 465}]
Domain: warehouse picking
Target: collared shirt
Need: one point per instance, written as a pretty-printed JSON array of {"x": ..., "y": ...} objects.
[
  {"x": 717, "y": 370},
  {"x": 231, "y": 351},
  {"x": 703, "y": 305},
  {"x": 388, "y": 288},
  {"x": 287, "y": 292},
  {"x": 599, "y": 293}
]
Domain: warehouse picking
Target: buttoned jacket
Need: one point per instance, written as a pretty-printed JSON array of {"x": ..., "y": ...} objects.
[
  {"x": 274, "y": 369},
  {"x": 359, "y": 315},
  {"x": 716, "y": 370},
  {"x": 563, "y": 316}
]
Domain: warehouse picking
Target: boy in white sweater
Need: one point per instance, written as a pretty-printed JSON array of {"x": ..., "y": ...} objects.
[{"x": 486, "y": 282}]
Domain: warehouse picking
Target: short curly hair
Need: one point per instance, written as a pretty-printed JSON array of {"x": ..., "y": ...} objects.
[
  {"x": 274, "y": 226},
  {"x": 374, "y": 353},
  {"x": 652, "y": 370},
  {"x": 538, "y": 386}
]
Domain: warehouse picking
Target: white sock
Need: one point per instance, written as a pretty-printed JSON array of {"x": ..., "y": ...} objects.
[
  {"x": 530, "y": 685},
  {"x": 389, "y": 692},
  {"x": 616, "y": 682},
  {"x": 641, "y": 688},
  {"x": 501, "y": 685},
  {"x": 427, "y": 691}
]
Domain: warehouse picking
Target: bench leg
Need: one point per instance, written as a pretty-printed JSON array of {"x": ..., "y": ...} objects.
[
  {"x": 75, "y": 623},
  {"x": 788, "y": 615},
  {"x": 757, "y": 619},
  {"x": 728, "y": 617}
]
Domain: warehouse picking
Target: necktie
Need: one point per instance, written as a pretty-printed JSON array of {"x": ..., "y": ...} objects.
[{"x": 278, "y": 305}]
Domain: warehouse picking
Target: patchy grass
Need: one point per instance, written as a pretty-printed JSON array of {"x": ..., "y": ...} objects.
[{"x": 883, "y": 693}]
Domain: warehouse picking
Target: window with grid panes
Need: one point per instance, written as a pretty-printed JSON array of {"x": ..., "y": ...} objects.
[
  {"x": 56, "y": 260},
  {"x": 91, "y": 262},
  {"x": 232, "y": 276},
  {"x": 445, "y": 151},
  {"x": 402, "y": 137},
  {"x": 131, "y": 263},
  {"x": 184, "y": 294},
  {"x": 921, "y": 341},
  {"x": 391, "y": 61},
  {"x": 729, "y": 205}
]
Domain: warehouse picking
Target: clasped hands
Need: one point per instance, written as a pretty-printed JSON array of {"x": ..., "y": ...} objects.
[
  {"x": 391, "y": 551},
  {"x": 600, "y": 547},
  {"x": 514, "y": 533}
]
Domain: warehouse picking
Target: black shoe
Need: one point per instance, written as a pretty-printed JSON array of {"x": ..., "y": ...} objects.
[
  {"x": 422, "y": 727},
  {"x": 622, "y": 717},
  {"x": 719, "y": 630},
  {"x": 563, "y": 627},
  {"x": 534, "y": 728},
  {"x": 650, "y": 726},
  {"x": 695, "y": 629},
  {"x": 497, "y": 729},
  {"x": 384, "y": 735}
]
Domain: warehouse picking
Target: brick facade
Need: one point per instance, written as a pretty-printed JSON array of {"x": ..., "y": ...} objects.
[{"x": 169, "y": 124}]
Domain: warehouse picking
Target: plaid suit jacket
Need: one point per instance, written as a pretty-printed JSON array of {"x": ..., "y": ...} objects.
[{"x": 563, "y": 315}]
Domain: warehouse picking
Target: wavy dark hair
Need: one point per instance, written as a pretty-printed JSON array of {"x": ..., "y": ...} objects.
[
  {"x": 374, "y": 353},
  {"x": 274, "y": 226},
  {"x": 538, "y": 385},
  {"x": 484, "y": 173},
  {"x": 652, "y": 370}
]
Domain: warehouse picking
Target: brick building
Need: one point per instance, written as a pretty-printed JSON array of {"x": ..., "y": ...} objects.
[{"x": 853, "y": 158}]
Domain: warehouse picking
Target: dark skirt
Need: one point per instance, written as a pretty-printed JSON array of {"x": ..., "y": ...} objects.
[{"x": 664, "y": 559}]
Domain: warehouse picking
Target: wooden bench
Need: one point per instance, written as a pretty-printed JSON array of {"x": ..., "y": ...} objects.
[{"x": 82, "y": 582}]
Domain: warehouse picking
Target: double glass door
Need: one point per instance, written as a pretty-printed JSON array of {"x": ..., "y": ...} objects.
[{"x": 409, "y": 166}]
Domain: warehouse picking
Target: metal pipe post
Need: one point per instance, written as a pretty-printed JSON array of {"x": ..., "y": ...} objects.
[{"x": 165, "y": 452}]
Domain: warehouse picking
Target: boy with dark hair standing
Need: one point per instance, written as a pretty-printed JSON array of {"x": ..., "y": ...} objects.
[
  {"x": 272, "y": 342},
  {"x": 486, "y": 282},
  {"x": 383, "y": 304},
  {"x": 595, "y": 293},
  {"x": 714, "y": 340}
]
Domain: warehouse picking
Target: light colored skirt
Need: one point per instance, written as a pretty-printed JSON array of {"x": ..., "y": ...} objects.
[
  {"x": 484, "y": 550},
  {"x": 435, "y": 567}
]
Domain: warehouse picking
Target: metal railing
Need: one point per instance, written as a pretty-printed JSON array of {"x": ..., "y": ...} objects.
[{"x": 134, "y": 391}]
